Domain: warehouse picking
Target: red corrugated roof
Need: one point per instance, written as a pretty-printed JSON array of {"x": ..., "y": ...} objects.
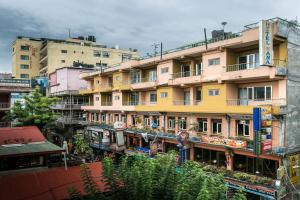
[
  {"x": 19, "y": 135},
  {"x": 49, "y": 184}
]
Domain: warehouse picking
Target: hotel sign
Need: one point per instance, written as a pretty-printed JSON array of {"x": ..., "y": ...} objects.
[{"x": 265, "y": 43}]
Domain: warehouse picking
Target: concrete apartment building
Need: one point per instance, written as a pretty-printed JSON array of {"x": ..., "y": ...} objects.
[
  {"x": 210, "y": 89},
  {"x": 65, "y": 85},
  {"x": 41, "y": 56}
]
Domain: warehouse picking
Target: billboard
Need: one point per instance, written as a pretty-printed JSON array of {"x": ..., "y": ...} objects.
[{"x": 265, "y": 43}]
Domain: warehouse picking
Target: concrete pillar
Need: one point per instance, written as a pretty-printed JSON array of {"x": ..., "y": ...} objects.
[
  {"x": 192, "y": 152},
  {"x": 176, "y": 124},
  {"x": 192, "y": 96}
]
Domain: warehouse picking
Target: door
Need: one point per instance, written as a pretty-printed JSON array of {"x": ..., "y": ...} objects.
[
  {"x": 134, "y": 98},
  {"x": 152, "y": 76},
  {"x": 185, "y": 70},
  {"x": 198, "y": 69},
  {"x": 243, "y": 97},
  {"x": 242, "y": 62},
  {"x": 186, "y": 96}
]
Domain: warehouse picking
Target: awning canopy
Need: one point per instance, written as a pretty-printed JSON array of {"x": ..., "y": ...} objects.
[{"x": 29, "y": 148}]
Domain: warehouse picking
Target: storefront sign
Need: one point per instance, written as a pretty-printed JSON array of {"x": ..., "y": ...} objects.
[
  {"x": 265, "y": 43},
  {"x": 119, "y": 125},
  {"x": 254, "y": 189},
  {"x": 294, "y": 167},
  {"x": 224, "y": 141},
  {"x": 266, "y": 146}
]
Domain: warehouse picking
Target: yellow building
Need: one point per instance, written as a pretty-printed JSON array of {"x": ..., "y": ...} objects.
[{"x": 41, "y": 56}]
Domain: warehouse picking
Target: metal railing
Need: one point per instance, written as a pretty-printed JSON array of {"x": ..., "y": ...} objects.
[
  {"x": 4, "y": 105},
  {"x": 143, "y": 80},
  {"x": 186, "y": 74},
  {"x": 130, "y": 103},
  {"x": 250, "y": 102},
  {"x": 106, "y": 103},
  {"x": 245, "y": 66}
]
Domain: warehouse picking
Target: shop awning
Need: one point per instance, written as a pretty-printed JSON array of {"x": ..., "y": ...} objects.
[{"x": 29, "y": 148}]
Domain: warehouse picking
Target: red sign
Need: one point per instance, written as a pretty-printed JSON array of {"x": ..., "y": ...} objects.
[{"x": 266, "y": 146}]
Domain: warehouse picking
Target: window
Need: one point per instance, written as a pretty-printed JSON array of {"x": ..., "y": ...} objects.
[
  {"x": 214, "y": 61},
  {"x": 155, "y": 119},
  {"x": 82, "y": 52},
  {"x": 214, "y": 92},
  {"x": 98, "y": 81},
  {"x": 64, "y": 51},
  {"x": 24, "y": 47},
  {"x": 97, "y": 53},
  {"x": 152, "y": 75},
  {"x": 263, "y": 93},
  {"x": 198, "y": 69},
  {"x": 24, "y": 57},
  {"x": 134, "y": 120},
  {"x": 74, "y": 51},
  {"x": 97, "y": 98},
  {"x": 163, "y": 95},
  {"x": 242, "y": 128},
  {"x": 23, "y": 66},
  {"x": 126, "y": 57},
  {"x": 135, "y": 77},
  {"x": 198, "y": 95},
  {"x": 153, "y": 97},
  {"x": 62, "y": 61},
  {"x": 182, "y": 123},
  {"x": 147, "y": 121},
  {"x": 105, "y": 54},
  {"x": 249, "y": 61},
  {"x": 116, "y": 117},
  {"x": 117, "y": 97},
  {"x": 216, "y": 126},
  {"x": 24, "y": 75},
  {"x": 171, "y": 123},
  {"x": 164, "y": 70},
  {"x": 103, "y": 118},
  {"x": 202, "y": 123}
]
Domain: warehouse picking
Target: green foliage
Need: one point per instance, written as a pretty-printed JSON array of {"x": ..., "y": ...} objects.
[
  {"x": 35, "y": 111},
  {"x": 74, "y": 193},
  {"x": 81, "y": 146},
  {"x": 239, "y": 195}
]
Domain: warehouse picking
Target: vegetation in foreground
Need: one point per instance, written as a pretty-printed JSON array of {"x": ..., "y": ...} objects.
[{"x": 138, "y": 177}]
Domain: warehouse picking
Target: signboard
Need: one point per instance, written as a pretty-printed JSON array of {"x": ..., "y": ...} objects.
[
  {"x": 119, "y": 125},
  {"x": 266, "y": 146},
  {"x": 224, "y": 141},
  {"x": 120, "y": 138},
  {"x": 265, "y": 43},
  {"x": 294, "y": 168}
]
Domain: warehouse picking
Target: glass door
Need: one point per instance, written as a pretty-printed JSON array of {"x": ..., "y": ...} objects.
[{"x": 243, "y": 97}]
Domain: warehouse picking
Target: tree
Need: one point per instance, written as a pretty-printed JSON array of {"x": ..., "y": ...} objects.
[{"x": 35, "y": 111}]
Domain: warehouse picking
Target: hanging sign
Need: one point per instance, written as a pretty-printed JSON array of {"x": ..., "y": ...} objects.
[{"x": 266, "y": 146}]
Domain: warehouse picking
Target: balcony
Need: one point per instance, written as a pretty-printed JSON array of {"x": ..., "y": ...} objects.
[
  {"x": 73, "y": 120},
  {"x": 86, "y": 91},
  {"x": 144, "y": 83},
  {"x": 187, "y": 77},
  {"x": 4, "y": 106},
  {"x": 122, "y": 85},
  {"x": 103, "y": 88},
  {"x": 67, "y": 106},
  {"x": 247, "y": 102},
  {"x": 254, "y": 70}
]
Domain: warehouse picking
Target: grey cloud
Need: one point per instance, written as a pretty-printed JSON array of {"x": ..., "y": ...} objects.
[{"x": 132, "y": 23}]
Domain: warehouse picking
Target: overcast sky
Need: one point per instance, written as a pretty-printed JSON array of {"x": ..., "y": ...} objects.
[{"x": 132, "y": 23}]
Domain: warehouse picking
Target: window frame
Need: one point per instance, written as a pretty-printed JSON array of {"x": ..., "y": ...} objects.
[
  {"x": 22, "y": 66},
  {"x": 204, "y": 122},
  {"x": 171, "y": 121},
  {"x": 22, "y": 57},
  {"x": 218, "y": 123},
  {"x": 164, "y": 70},
  {"x": 213, "y": 61},
  {"x": 153, "y": 93},
  {"x": 245, "y": 124},
  {"x": 215, "y": 92},
  {"x": 163, "y": 95}
]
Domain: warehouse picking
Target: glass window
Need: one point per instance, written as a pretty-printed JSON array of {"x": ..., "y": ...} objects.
[
  {"x": 250, "y": 92},
  {"x": 155, "y": 120},
  {"x": 216, "y": 126},
  {"x": 97, "y": 98},
  {"x": 62, "y": 61},
  {"x": 164, "y": 70},
  {"x": 214, "y": 61},
  {"x": 24, "y": 75},
  {"x": 171, "y": 123},
  {"x": 24, "y": 47},
  {"x": 103, "y": 118},
  {"x": 152, "y": 75},
  {"x": 268, "y": 92},
  {"x": 97, "y": 53},
  {"x": 135, "y": 76},
  {"x": 64, "y": 51},
  {"x": 259, "y": 93},
  {"x": 163, "y": 95},
  {"x": 202, "y": 123},
  {"x": 153, "y": 97},
  {"x": 147, "y": 121},
  {"x": 24, "y": 57},
  {"x": 198, "y": 95},
  {"x": 105, "y": 54},
  {"x": 214, "y": 92},
  {"x": 23, "y": 66},
  {"x": 182, "y": 123},
  {"x": 242, "y": 128}
]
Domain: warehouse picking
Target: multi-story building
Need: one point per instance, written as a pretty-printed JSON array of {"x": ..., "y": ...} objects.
[
  {"x": 11, "y": 90},
  {"x": 210, "y": 89},
  {"x": 41, "y": 56},
  {"x": 65, "y": 85}
]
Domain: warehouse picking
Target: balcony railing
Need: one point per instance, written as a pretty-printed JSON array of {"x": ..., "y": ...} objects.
[
  {"x": 68, "y": 106},
  {"x": 186, "y": 74},
  {"x": 106, "y": 103},
  {"x": 256, "y": 102},
  {"x": 4, "y": 105},
  {"x": 186, "y": 102},
  {"x": 143, "y": 80},
  {"x": 245, "y": 66},
  {"x": 130, "y": 103}
]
